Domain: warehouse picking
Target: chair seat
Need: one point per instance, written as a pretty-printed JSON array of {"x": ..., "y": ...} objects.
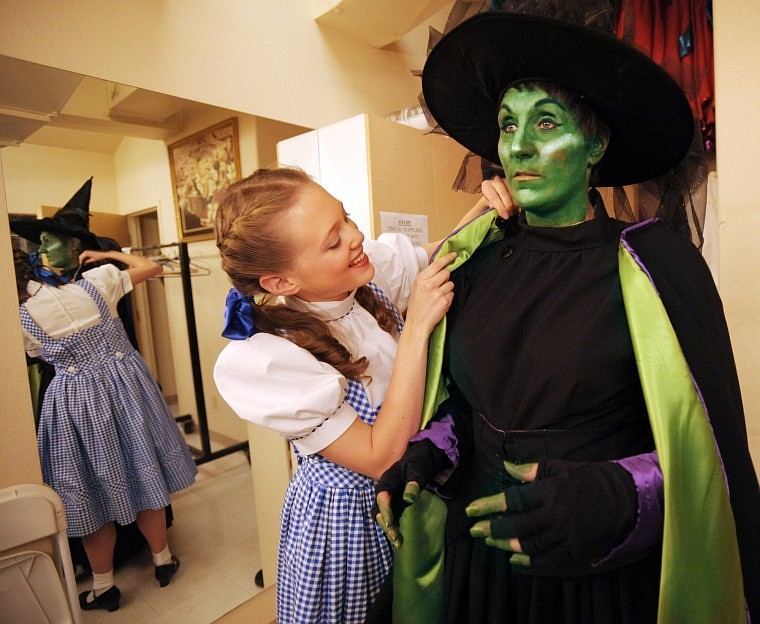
[{"x": 30, "y": 590}]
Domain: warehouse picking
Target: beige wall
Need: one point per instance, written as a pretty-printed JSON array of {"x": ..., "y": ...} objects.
[
  {"x": 737, "y": 78},
  {"x": 48, "y": 176},
  {"x": 18, "y": 448}
]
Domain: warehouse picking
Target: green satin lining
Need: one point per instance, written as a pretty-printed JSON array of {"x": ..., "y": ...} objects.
[
  {"x": 418, "y": 594},
  {"x": 480, "y": 231},
  {"x": 701, "y": 578}
]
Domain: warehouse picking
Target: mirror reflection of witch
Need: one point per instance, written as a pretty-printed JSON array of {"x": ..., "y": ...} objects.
[
  {"x": 73, "y": 217},
  {"x": 588, "y": 436},
  {"x": 108, "y": 443}
]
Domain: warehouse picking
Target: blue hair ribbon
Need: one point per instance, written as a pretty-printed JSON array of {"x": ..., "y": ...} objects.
[{"x": 238, "y": 316}]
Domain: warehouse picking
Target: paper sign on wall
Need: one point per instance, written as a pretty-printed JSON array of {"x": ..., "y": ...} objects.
[{"x": 413, "y": 225}]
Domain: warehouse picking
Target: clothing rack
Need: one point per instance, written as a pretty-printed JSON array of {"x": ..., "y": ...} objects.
[{"x": 204, "y": 454}]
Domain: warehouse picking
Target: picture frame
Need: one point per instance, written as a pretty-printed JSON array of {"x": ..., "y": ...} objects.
[{"x": 202, "y": 166}]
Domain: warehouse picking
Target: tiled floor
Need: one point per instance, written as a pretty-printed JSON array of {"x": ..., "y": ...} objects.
[{"x": 214, "y": 536}]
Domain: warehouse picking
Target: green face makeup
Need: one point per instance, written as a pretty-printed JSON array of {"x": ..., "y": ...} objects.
[
  {"x": 59, "y": 253},
  {"x": 546, "y": 157}
]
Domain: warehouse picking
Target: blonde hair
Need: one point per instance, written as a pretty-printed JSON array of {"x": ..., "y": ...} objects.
[{"x": 252, "y": 242}]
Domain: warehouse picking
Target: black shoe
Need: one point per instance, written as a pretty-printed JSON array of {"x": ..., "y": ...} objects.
[
  {"x": 109, "y": 600},
  {"x": 164, "y": 573}
]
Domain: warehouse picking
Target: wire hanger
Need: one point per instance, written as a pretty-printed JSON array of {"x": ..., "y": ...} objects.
[{"x": 170, "y": 263}]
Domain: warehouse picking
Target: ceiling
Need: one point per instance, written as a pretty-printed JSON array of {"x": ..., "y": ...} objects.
[
  {"x": 379, "y": 23},
  {"x": 47, "y": 106}
]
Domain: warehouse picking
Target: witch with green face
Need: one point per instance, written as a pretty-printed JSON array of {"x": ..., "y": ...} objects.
[
  {"x": 547, "y": 155},
  {"x": 585, "y": 423},
  {"x": 62, "y": 252}
]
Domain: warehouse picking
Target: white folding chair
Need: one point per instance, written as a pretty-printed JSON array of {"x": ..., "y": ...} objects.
[{"x": 35, "y": 588}]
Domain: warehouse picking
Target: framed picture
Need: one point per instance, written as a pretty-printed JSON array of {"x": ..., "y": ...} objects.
[{"x": 203, "y": 165}]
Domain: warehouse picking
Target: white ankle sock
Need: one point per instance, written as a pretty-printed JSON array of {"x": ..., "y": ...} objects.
[
  {"x": 162, "y": 558},
  {"x": 100, "y": 583}
]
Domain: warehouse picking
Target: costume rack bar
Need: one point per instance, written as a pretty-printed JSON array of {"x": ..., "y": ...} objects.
[{"x": 204, "y": 454}]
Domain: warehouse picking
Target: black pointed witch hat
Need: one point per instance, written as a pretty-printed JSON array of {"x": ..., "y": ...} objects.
[
  {"x": 73, "y": 220},
  {"x": 467, "y": 72}
]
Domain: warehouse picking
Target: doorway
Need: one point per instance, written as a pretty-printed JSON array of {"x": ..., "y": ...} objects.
[{"x": 151, "y": 316}]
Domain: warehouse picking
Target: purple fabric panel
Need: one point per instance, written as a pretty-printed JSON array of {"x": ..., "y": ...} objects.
[
  {"x": 461, "y": 227},
  {"x": 647, "y": 476},
  {"x": 441, "y": 433},
  {"x": 626, "y": 243}
]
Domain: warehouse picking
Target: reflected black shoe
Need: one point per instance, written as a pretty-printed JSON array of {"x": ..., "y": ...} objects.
[
  {"x": 164, "y": 573},
  {"x": 108, "y": 600}
]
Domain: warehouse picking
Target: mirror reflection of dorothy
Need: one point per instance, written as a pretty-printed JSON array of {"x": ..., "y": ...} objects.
[{"x": 107, "y": 441}]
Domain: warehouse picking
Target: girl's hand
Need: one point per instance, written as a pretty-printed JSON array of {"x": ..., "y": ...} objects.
[
  {"x": 89, "y": 256},
  {"x": 432, "y": 295},
  {"x": 497, "y": 195},
  {"x": 139, "y": 267}
]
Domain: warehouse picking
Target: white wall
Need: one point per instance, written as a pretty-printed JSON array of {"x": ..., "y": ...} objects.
[{"x": 143, "y": 180}]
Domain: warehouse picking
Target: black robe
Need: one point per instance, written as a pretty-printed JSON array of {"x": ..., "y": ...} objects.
[{"x": 692, "y": 304}]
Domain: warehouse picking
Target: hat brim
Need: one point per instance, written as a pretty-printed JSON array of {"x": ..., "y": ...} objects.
[
  {"x": 31, "y": 230},
  {"x": 650, "y": 120}
]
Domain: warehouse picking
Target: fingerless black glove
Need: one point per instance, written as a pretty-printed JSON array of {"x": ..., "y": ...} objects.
[
  {"x": 571, "y": 516},
  {"x": 421, "y": 463}
]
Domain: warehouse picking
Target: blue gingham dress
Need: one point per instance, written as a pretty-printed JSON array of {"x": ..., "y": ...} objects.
[
  {"x": 107, "y": 442},
  {"x": 333, "y": 557}
]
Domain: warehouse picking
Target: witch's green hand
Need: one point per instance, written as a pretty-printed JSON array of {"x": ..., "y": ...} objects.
[
  {"x": 496, "y": 503},
  {"x": 384, "y": 517}
]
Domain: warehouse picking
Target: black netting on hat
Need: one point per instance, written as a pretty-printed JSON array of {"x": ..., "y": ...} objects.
[
  {"x": 679, "y": 197},
  {"x": 599, "y": 14}
]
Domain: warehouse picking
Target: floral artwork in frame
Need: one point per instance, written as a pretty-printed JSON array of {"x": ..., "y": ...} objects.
[{"x": 202, "y": 166}]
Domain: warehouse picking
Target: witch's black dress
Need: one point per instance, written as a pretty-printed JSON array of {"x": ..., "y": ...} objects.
[{"x": 539, "y": 348}]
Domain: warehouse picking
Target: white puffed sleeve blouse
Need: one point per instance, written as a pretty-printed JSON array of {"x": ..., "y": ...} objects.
[
  {"x": 270, "y": 381},
  {"x": 68, "y": 308}
]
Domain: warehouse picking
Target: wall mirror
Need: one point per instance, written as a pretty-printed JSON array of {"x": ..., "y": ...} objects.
[{"x": 214, "y": 530}]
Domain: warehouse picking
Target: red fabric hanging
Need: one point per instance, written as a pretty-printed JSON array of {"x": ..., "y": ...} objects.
[{"x": 677, "y": 34}]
